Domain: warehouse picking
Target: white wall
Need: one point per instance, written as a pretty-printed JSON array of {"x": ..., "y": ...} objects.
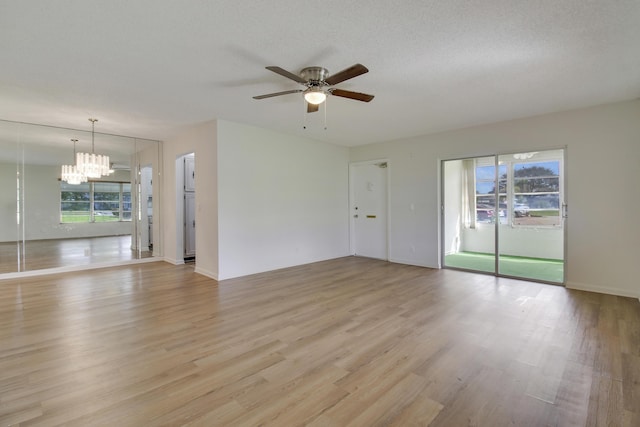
[
  {"x": 536, "y": 242},
  {"x": 202, "y": 141},
  {"x": 283, "y": 200},
  {"x": 603, "y": 169},
  {"x": 8, "y": 226}
]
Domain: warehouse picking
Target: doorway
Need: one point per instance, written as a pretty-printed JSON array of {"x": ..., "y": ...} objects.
[
  {"x": 186, "y": 182},
  {"x": 369, "y": 192},
  {"x": 505, "y": 215}
]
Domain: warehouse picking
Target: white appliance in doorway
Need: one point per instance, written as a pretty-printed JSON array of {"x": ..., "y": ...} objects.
[
  {"x": 189, "y": 207},
  {"x": 368, "y": 184}
]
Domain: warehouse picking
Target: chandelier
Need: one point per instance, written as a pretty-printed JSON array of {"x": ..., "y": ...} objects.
[
  {"x": 90, "y": 164},
  {"x": 70, "y": 173}
]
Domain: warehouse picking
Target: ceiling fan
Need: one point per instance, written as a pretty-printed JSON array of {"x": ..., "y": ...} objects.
[{"x": 318, "y": 84}]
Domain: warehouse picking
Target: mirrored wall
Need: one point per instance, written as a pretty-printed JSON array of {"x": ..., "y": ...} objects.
[{"x": 47, "y": 223}]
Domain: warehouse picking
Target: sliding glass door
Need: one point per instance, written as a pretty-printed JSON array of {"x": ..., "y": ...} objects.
[
  {"x": 532, "y": 244},
  {"x": 503, "y": 215},
  {"x": 470, "y": 214}
]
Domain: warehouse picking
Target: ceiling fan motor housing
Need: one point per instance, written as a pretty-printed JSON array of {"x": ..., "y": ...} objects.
[{"x": 315, "y": 76}]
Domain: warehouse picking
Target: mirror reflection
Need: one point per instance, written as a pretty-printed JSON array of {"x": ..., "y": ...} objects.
[{"x": 47, "y": 222}]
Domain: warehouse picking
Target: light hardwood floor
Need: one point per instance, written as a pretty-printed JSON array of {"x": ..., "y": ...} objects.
[{"x": 347, "y": 342}]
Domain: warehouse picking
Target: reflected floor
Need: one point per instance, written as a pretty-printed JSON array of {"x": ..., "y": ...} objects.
[
  {"x": 547, "y": 270},
  {"x": 41, "y": 254}
]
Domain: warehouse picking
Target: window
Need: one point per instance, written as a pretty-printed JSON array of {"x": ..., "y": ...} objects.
[
  {"x": 529, "y": 192},
  {"x": 126, "y": 202},
  {"x": 536, "y": 193},
  {"x": 75, "y": 202},
  {"x": 106, "y": 201},
  {"x": 485, "y": 193},
  {"x": 95, "y": 202}
]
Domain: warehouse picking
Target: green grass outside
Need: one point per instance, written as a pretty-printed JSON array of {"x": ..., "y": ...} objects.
[
  {"x": 544, "y": 213},
  {"x": 75, "y": 218}
]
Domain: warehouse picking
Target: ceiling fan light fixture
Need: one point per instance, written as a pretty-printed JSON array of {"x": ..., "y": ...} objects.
[{"x": 315, "y": 96}]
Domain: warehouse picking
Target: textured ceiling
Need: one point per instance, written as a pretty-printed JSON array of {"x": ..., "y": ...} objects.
[{"x": 146, "y": 68}]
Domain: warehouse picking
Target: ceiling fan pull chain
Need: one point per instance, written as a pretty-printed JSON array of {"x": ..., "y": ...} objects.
[
  {"x": 304, "y": 113},
  {"x": 326, "y": 102}
]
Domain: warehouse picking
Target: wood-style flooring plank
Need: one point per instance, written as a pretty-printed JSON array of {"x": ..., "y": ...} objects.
[{"x": 345, "y": 342}]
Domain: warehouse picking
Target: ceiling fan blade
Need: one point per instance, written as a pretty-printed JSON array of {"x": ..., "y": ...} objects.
[
  {"x": 286, "y": 74},
  {"x": 269, "y": 95},
  {"x": 312, "y": 108},
  {"x": 351, "y": 95},
  {"x": 346, "y": 74}
]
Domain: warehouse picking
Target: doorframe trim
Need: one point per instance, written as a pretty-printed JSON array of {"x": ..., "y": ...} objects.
[{"x": 351, "y": 197}]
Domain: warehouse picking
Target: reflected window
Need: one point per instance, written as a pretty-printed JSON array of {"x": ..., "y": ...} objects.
[
  {"x": 126, "y": 202},
  {"x": 95, "y": 202},
  {"x": 75, "y": 202}
]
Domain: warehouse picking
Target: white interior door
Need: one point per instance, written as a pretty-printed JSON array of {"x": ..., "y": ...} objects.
[{"x": 369, "y": 209}]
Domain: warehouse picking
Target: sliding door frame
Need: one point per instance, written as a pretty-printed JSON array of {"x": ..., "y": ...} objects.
[{"x": 563, "y": 212}]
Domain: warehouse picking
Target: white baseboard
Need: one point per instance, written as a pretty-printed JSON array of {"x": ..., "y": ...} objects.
[
  {"x": 602, "y": 289},
  {"x": 206, "y": 273},
  {"x": 174, "y": 261},
  {"x": 406, "y": 262}
]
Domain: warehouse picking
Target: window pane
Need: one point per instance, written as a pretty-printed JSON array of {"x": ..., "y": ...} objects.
[
  {"x": 537, "y": 177},
  {"x": 126, "y": 202},
  {"x": 75, "y": 206},
  {"x": 536, "y": 185},
  {"x": 484, "y": 173},
  {"x": 74, "y": 202},
  {"x": 503, "y": 211},
  {"x": 485, "y": 188},
  {"x": 106, "y": 201},
  {"x": 106, "y": 191},
  {"x": 486, "y": 202},
  {"x": 539, "y": 202},
  {"x": 538, "y": 209},
  {"x": 531, "y": 169}
]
